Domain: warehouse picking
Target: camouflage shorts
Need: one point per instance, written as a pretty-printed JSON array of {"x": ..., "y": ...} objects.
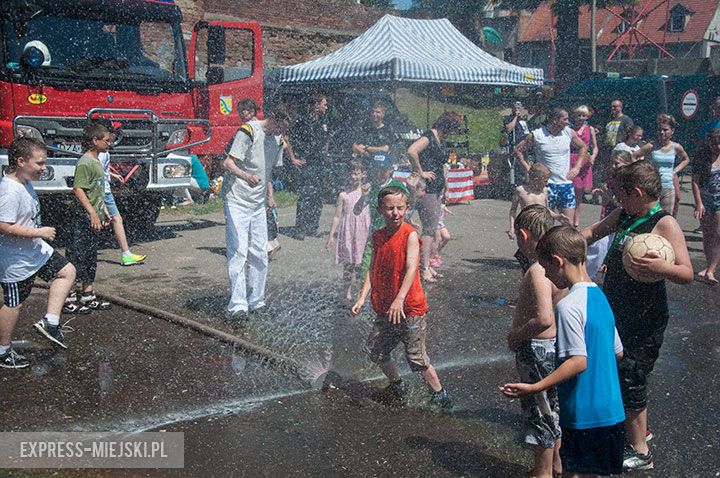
[{"x": 535, "y": 360}]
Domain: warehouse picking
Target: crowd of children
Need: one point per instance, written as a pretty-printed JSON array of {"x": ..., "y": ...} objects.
[{"x": 583, "y": 353}]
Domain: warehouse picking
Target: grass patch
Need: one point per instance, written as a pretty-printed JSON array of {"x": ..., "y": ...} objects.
[
  {"x": 282, "y": 199},
  {"x": 484, "y": 123}
]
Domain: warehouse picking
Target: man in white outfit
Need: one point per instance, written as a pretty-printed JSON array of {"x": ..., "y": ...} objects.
[
  {"x": 247, "y": 181},
  {"x": 551, "y": 145}
]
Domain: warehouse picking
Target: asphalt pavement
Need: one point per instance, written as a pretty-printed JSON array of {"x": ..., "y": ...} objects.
[{"x": 245, "y": 416}]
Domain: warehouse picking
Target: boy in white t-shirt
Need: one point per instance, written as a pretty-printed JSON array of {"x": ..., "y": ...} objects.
[{"x": 24, "y": 253}]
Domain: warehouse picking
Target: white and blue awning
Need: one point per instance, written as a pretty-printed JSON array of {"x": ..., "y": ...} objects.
[{"x": 409, "y": 50}]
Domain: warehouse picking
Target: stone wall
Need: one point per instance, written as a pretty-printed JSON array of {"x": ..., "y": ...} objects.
[{"x": 293, "y": 31}]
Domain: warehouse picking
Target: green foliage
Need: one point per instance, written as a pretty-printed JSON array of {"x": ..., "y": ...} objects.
[{"x": 384, "y": 4}]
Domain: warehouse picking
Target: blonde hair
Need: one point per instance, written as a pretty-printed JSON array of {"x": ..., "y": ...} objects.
[{"x": 582, "y": 109}]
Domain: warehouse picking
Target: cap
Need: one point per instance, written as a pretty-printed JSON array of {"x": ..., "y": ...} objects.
[{"x": 518, "y": 103}]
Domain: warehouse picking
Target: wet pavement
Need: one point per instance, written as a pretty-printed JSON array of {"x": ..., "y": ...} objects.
[{"x": 126, "y": 371}]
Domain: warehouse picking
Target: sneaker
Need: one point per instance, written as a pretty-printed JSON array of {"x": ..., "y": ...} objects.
[
  {"x": 648, "y": 435},
  {"x": 442, "y": 399},
  {"x": 52, "y": 332},
  {"x": 132, "y": 259},
  {"x": 12, "y": 359},
  {"x": 71, "y": 306},
  {"x": 633, "y": 460},
  {"x": 90, "y": 300}
]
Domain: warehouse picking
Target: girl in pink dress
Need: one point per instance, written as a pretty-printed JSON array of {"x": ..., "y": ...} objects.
[
  {"x": 583, "y": 181},
  {"x": 352, "y": 231}
]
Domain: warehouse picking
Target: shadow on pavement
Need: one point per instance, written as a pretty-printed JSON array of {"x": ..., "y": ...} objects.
[
  {"x": 465, "y": 458},
  {"x": 494, "y": 262}
]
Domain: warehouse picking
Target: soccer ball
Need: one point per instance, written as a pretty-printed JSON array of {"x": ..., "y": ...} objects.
[{"x": 643, "y": 245}]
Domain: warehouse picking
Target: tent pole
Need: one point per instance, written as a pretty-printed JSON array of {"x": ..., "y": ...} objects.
[{"x": 427, "y": 109}]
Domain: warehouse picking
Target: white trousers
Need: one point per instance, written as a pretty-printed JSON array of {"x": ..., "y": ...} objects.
[{"x": 246, "y": 237}]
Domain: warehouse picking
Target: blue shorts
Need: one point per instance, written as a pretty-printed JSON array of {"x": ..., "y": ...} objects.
[
  {"x": 561, "y": 196},
  {"x": 111, "y": 206}
]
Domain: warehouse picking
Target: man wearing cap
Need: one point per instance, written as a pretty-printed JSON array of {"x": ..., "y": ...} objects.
[{"x": 516, "y": 128}]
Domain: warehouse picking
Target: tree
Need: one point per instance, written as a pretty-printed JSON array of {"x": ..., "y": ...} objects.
[
  {"x": 383, "y": 4},
  {"x": 568, "y": 60}
]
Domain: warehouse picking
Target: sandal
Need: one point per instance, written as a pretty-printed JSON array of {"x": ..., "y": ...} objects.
[{"x": 90, "y": 300}]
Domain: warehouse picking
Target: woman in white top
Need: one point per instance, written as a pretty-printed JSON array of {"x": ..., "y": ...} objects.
[{"x": 631, "y": 141}]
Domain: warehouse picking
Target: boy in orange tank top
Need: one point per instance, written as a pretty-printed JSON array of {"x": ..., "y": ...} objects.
[{"x": 398, "y": 298}]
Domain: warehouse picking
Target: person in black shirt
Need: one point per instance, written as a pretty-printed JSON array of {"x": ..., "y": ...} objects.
[
  {"x": 309, "y": 139},
  {"x": 428, "y": 156},
  {"x": 376, "y": 136}
]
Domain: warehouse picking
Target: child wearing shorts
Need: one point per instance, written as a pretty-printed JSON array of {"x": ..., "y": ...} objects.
[
  {"x": 398, "y": 298},
  {"x": 586, "y": 376},
  {"x": 532, "y": 338},
  {"x": 24, "y": 254}
]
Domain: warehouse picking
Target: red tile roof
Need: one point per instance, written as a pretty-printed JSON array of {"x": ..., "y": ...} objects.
[{"x": 537, "y": 28}]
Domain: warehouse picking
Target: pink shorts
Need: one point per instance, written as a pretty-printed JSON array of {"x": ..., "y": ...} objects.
[{"x": 584, "y": 179}]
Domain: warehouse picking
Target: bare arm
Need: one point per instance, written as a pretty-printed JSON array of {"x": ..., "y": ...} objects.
[
  {"x": 642, "y": 152},
  {"x": 570, "y": 368},
  {"x": 542, "y": 290},
  {"x": 521, "y": 148},
  {"x": 362, "y": 297},
  {"x": 593, "y": 143},
  {"x": 513, "y": 213},
  {"x": 511, "y": 125},
  {"x": 680, "y": 271},
  {"x": 289, "y": 151},
  {"x": 582, "y": 153},
  {"x": 230, "y": 165},
  {"x": 412, "y": 261},
  {"x": 85, "y": 203},
  {"x": 684, "y": 158},
  {"x": 413, "y": 153},
  {"x": 17, "y": 230},
  {"x": 270, "y": 194},
  {"x": 336, "y": 219},
  {"x": 601, "y": 229},
  {"x": 699, "y": 206}
]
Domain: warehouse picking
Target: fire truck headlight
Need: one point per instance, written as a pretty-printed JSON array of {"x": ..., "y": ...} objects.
[
  {"x": 176, "y": 171},
  {"x": 178, "y": 136},
  {"x": 48, "y": 174},
  {"x": 28, "y": 132}
]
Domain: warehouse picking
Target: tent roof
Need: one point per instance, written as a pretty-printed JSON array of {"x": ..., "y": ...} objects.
[{"x": 404, "y": 49}]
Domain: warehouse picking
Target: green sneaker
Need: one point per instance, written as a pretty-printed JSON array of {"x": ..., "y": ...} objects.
[{"x": 132, "y": 259}]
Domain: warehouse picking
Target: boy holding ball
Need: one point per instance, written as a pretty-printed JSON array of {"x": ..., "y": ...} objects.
[{"x": 640, "y": 308}]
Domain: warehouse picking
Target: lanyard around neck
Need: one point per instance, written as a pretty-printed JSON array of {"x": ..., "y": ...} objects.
[{"x": 622, "y": 231}]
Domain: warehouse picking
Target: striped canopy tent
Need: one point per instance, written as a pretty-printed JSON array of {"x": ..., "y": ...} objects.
[{"x": 407, "y": 50}]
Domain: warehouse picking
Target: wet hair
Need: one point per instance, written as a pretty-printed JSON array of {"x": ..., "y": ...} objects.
[
  {"x": 555, "y": 113},
  {"x": 666, "y": 119},
  {"x": 448, "y": 123},
  {"x": 356, "y": 165},
  {"x": 536, "y": 219},
  {"x": 564, "y": 241},
  {"x": 248, "y": 105},
  {"x": 642, "y": 174},
  {"x": 280, "y": 113},
  {"x": 391, "y": 191},
  {"x": 630, "y": 132},
  {"x": 23, "y": 147},
  {"x": 624, "y": 156},
  {"x": 93, "y": 130},
  {"x": 582, "y": 109},
  {"x": 379, "y": 105},
  {"x": 539, "y": 171}
]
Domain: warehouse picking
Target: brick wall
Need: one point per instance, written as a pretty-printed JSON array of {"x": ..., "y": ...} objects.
[{"x": 293, "y": 30}]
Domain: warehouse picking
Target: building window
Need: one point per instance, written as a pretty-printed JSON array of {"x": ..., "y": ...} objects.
[{"x": 678, "y": 19}]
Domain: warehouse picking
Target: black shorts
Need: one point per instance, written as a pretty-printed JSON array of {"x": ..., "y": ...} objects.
[
  {"x": 594, "y": 450},
  {"x": 15, "y": 293},
  {"x": 637, "y": 363}
]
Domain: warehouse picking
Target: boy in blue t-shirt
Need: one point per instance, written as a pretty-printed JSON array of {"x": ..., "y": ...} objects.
[{"x": 588, "y": 346}]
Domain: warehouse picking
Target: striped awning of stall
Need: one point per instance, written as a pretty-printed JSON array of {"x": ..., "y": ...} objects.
[{"x": 410, "y": 50}]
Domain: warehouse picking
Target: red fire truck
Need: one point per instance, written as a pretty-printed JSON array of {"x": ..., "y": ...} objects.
[{"x": 64, "y": 62}]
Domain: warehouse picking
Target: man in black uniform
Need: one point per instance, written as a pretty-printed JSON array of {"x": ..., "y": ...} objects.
[
  {"x": 309, "y": 139},
  {"x": 376, "y": 137}
]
